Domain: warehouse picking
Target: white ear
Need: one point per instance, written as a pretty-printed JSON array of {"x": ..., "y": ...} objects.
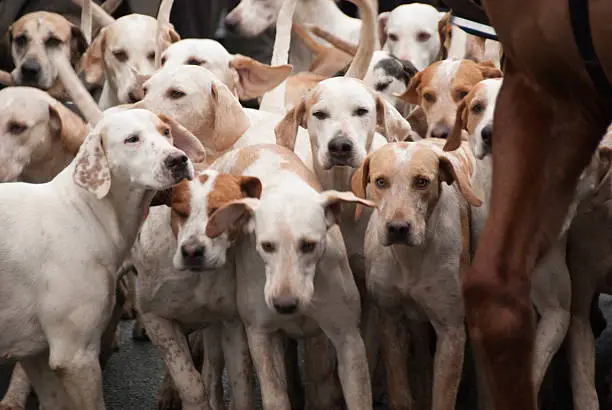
[
  {"x": 91, "y": 171},
  {"x": 229, "y": 215},
  {"x": 331, "y": 201}
]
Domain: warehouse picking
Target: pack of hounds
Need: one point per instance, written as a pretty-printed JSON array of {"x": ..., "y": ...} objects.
[{"x": 339, "y": 215}]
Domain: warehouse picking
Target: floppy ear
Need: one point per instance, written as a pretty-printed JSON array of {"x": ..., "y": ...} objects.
[
  {"x": 286, "y": 130},
  {"x": 255, "y": 78},
  {"x": 361, "y": 178},
  {"x": 450, "y": 172},
  {"x": 418, "y": 121},
  {"x": 91, "y": 171},
  {"x": 162, "y": 198},
  {"x": 230, "y": 120},
  {"x": 393, "y": 126},
  {"x": 411, "y": 94},
  {"x": 78, "y": 43},
  {"x": 229, "y": 214},
  {"x": 68, "y": 126},
  {"x": 92, "y": 62},
  {"x": 382, "y": 27},
  {"x": 445, "y": 30},
  {"x": 409, "y": 70},
  {"x": 250, "y": 186},
  {"x": 184, "y": 140},
  {"x": 170, "y": 36},
  {"x": 603, "y": 188},
  {"x": 488, "y": 69},
  {"x": 454, "y": 140},
  {"x": 331, "y": 202}
]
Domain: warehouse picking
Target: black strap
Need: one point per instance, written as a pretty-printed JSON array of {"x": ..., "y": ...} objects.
[{"x": 581, "y": 26}]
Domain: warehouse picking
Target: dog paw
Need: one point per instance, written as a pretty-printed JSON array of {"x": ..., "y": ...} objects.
[
  {"x": 168, "y": 399},
  {"x": 138, "y": 332}
]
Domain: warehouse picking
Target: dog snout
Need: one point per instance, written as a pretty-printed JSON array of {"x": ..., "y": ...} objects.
[
  {"x": 487, "y": 135},
  {"x": 178, "y": 164},
  {"x": 285, "y": 305},
  {"x": 440, "y": 131},
  {"x": 30, "y": 71},
  {"x": 398, "y": 231},
  {"x": 193, "y": 252},
  {"x": 231, "y": 24},
  {"x": 340, "y": 149},
  {"x": 135, "y": 95}
]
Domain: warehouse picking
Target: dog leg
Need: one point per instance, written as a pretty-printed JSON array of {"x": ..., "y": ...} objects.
[
  {"x": 239, "y": 366},
  {"x": 168, "y": 337},
  {"x": 108, "y": 344},
  {"x": 448, "y": 365},
  {"x": 50, "y": 391},
  {"x": 395, "y": 348},
  {"x": 295, "y": 388},
  {"x": 322, "y": 388},
  {"x": 212, "y": 365},
  {"x": 546, "y": 143},
  {"x": 267, "y": 353},
  {"x": 81, "y": 375},
  {"x": 18, "y": 391}
]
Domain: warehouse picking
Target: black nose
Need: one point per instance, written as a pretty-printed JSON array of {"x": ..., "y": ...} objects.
[
  {"x": 177, "y": 161},
  {"x": 30, "y": 71},
  {"x": 487, "y": 135},
  {"x": 398, "y": 231},
  {"x": 285, "y": 305},
  {"x": 231, "y": 25},
  {"x": 440, "y": 131},
  {"x": 193, "y": 253},
  {"x": 134, "y": 96},
  {"x": 340, "y": 148}
]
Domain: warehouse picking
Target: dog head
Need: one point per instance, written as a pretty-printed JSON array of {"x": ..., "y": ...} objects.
[
  {"x": 341, "y": 115},
  {"x": 405, "y": 181},
  {"x": 245, "y": 77},
  {"x": 250, "y": 18},
  {"x": 410, "y": 32},
  {"x": 124, "y": 53},
  {"x": 475, "y": 115},
  {"x": 33, "y": 126},
  {"x": 32, "y": 36},
  {"x": 440, "y": 88},
  {"x": 192, "y": 203},
  {"x": 135, "y": 146}
]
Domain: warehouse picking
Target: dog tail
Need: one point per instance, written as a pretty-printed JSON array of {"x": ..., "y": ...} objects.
[
  {"x": 274, "y": 100},
  {"x": 75, "y": 88},
  {"x": 101, "y": 17},
  {"x": 110, "y": 6},
  {"x": 334, "y": 40},
  {"x": 86, "y": 20},
  {"x": 163, "y": 23},
  {"x": 367, "y": 39},
  {"x": 306, "y": 36}
]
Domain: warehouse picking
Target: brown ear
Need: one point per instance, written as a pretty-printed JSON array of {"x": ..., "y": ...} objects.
[
  {"x": 395, "y": 128},
  {"x": 91, "y": 171},
  {"x": 418, "y": 121},
  {"x": 230, "y": 120},
  {"x": 92, "y": 62},
  {"x": 251, "y": 187},
  {"x": 382, "y": 27},
  {"x": 332, "y": 201},
  {"x": 411, "y": 95},
  {"x": 361, "y": 178},
  {"x": 256, "y": 78},
  {"x": 454, "y": 140},
  {"x": 445, "y": 30},
  {"x": 162, "y": 198},
  {"x": 226, "y": 217},
  {"x": 68, "y": 126},
  {"x": 286, "y": 130},
  {"x": 78, "y": 43},
  {"x": 450, "y": 171},
  {"x": 488, "y": 69},
  {"x": 184, "y": 140}
]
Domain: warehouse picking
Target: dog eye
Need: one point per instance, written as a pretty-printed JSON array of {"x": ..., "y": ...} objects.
[
  {"x": 381, "y": 183},
  {"x": 421, "y": 182},
  {"x": 175, "y": 94},
  {"x": 268, "y": 247},
  {"x": 53, "y": 42},
  {"x": 132, "y": 139},
  {"x": 195, "y": 61},
  {"x": 151, "y": 56},
  {"x": 120, "y": 55},
  {"x": 166, "y": 132},
  {"x": 163, "y": 60},
  {"x": 320, "y": 115},
  {"x": 307, "y": 246},
  {"x": 16, "y": 128},
  {"x": 360, "y": 112},
  {"x": 380, "y": 87},
  {"x": 430, "y": 98},
  {"x": 423, "y": 36},
  {"x": 20, "y": 41},
  {"x": 462, "y": 94},
  {"x": 477, "y": 108},
  {"x": 393, "y": 37}
]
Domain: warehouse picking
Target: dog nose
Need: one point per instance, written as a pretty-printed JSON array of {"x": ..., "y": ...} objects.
[
  {"x": 176, "y": 161},
  {"x": 340, "y": 147},
  {"x": 192, "y": 250},
  {"x": 135, "y": 95},
  {"x": 285, "y": 305},
  {"x": 231, "y": 24},
  {"x": 30, "y": 71},
  {"x": 440, "y": 131},
  {"x": 487, "y": 134},
  {"x": 397, "y": 231}
]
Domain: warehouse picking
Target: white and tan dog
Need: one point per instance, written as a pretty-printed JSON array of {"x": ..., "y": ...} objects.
[
  {"x": 292, "y": 272},
  {"x": 416, "y": 244},
  {"x": 186, "y": 284},
  {"x": 125, "y": 158},
  {"x": 31, "y": 37}
]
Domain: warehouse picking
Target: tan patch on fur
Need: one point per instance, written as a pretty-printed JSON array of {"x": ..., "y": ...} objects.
[
  {"x": 55, "y": 23},
  {"x": 226, "y": 188},
  {"x": 181, "y": 205}
]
